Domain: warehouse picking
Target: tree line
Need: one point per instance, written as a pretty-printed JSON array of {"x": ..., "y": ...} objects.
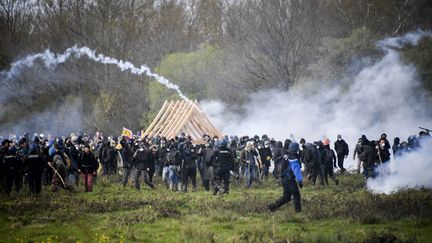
[{"x": 213, "y": 49}]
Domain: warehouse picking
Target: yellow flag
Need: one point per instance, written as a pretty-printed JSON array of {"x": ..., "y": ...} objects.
[{"x": 127, "y": 133}]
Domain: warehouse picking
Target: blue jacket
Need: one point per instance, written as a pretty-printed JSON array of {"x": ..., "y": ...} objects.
[{"x": 296, "y": 168}]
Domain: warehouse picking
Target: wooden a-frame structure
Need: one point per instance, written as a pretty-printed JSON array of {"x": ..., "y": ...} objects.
[{"x": 176, "y": 117}]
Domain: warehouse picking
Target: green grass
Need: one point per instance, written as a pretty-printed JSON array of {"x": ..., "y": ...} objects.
[{"x": 345, "y": 213}]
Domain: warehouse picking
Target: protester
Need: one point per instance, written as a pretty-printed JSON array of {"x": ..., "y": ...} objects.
[
  {"x": 224, "y": 163},
  {"x": 342, "y": 151},
  {"x": 59, "y": 161},
  {"x": 87, "y": 166},
  {"x": 142, "y": 166},
  {"x": 329, "y": 161},
  {"x": 188, "y": 166},
  {"x": 250, "y": 161},
  {"x": 289, "y": 181}
]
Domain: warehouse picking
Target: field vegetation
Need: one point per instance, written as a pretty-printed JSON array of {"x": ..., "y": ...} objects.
[{"x": 344, "y": 213}]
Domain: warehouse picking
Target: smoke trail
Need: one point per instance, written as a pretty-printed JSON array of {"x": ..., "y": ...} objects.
[{"x": 51, "y": 60}]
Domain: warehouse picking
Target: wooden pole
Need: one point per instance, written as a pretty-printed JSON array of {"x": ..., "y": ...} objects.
[{"x": 154, "y": 122}]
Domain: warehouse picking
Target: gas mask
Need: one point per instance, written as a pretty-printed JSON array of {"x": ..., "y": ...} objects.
[{"x": 141, "y": 149}]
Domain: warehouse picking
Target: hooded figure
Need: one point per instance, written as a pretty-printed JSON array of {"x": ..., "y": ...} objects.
[
  {"x": 342, "y": 152},
  {"x": 266, "y": 156},
  {"x": 317, "y": 166},
  {"x": 188, "y": 159},
  {"x": 396, "y": 146},
  {"x": 329, "y": 161},
  {"x": 290, "y": 175},
  {"x": 207, "y": 162},
  {"x": 34, "y": 164},
  {"x": 141, "y": 160},
  {"x": 294, "y": 159},
  {"x": 224, "y": 163}
]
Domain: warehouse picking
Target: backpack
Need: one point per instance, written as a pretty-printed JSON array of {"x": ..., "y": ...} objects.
[{"x": 286, "y": 169}]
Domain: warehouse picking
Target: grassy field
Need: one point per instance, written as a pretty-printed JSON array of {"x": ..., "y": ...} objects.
[{"x": 344, "y": 213}]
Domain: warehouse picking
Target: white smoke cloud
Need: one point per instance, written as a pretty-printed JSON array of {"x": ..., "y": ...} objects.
[
  {"x": 383, "y": 97},
  {"x": 412, "y": 170}
]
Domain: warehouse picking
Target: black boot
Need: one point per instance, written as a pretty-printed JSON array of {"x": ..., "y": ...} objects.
[{"x": 272, "y": 207}]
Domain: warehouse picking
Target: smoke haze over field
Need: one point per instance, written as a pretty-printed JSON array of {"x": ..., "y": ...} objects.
[
  {"x": 59, "y": 120},
  {"x": 384, "y": 97}
]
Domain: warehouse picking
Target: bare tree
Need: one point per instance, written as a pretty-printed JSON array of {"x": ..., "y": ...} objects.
[{"x": 275, "y": 38}]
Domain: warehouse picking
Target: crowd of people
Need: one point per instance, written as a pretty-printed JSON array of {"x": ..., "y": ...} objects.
[{"x": 31, "y": 162}]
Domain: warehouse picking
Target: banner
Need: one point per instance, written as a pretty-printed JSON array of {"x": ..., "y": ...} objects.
[{"x": 127, "y": 133}]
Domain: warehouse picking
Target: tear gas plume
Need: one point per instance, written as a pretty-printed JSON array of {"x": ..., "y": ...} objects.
[
  {"x": 383, "y": 97},
  {"x": 51, "y": 60},
  {"x": 58, "y": 120},
  {"x": 411, "y": 170}
]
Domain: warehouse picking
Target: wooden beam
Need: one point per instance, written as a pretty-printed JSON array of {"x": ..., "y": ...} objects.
[
  {"x": 174, "y": 119},
  {"x": 168, "y": 120},
  {"x": 157, "y": 118},
  {"x": 183, "y": 118},
  {"x": 176, "y": 116},
  {"x": 206, "y": 122},
  {"x": 195, "y": 122},
  {"x": 209, "y": 125},
  {"x": 161, "y": 120},
  {"x": 194, "y": 134},
  {"x": 179, "y": 120}
]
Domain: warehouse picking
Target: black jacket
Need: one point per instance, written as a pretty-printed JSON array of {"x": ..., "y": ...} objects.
[
  {"x": 341, "y": 147},
  {"x": 369, "y": 155},
  {"x": 87, "y": 163},
  {"x": 140, "y": 159},
  {"x": 188, "y": 159},
  {"x": 328, "y": 156},
  {"x": 384, "y": 154},
  {"x": 224, "y": 160},
  {"x": 152, "y": 160},
  {"x": 266, "y": 155}
]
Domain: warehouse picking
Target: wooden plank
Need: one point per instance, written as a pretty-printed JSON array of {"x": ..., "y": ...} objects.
[
  {"x": 168, "y": 120},
  {"x": 169, "y": 113},
  {"x": 209, "y": 126},
  {"x": 194, "y": 135},
  {"x": 174, "y": 119},
  {"x": 172, "y": 131},
  {"x": 195, "y": 122},
  {"x": 206, "y": 122},
  {"x": 161, "y": 120},
  {"x": 183, "y": 118},
  {"x": 199, "y": 120},
  {"x": 156, "y": 119}
]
